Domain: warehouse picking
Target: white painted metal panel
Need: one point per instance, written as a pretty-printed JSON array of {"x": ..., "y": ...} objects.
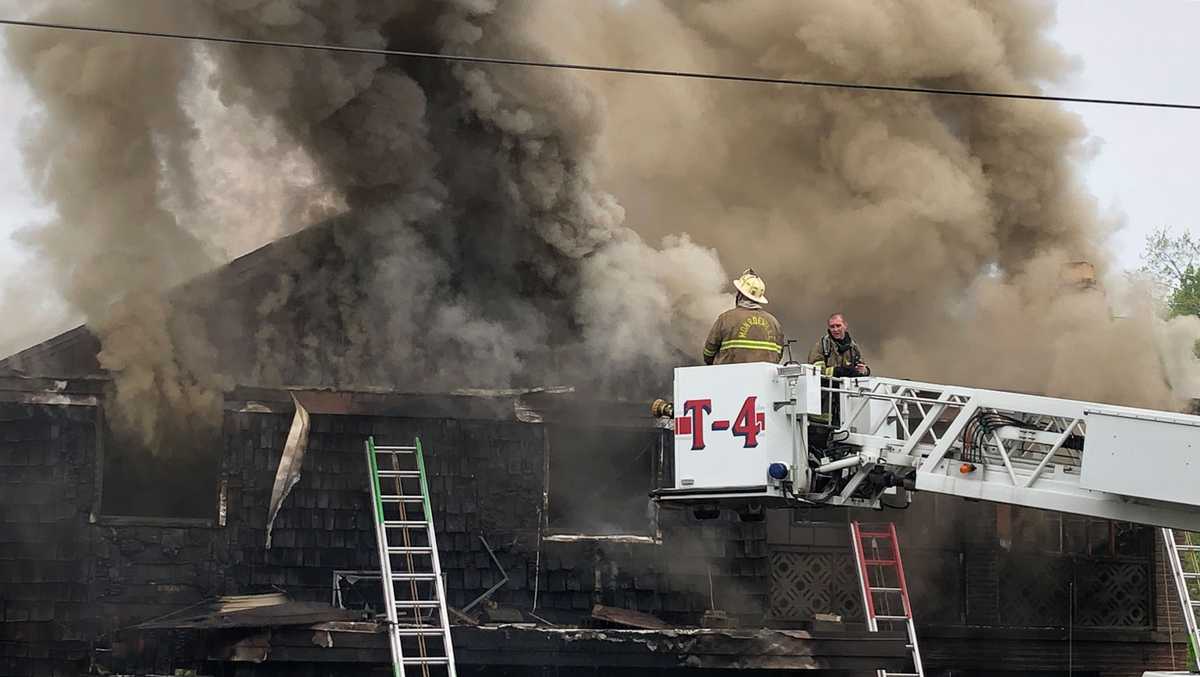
[
  {"x": 807, "y": 390},
  {"x": 727, "y": 430},
  {"x": 868, "y": 416},
  {"x": 1057, "y": 494},
  {"x": 1155, "y": 457}
]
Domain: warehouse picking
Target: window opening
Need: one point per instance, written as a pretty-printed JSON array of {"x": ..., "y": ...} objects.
[
  {"x": 600, "y": 480},
  {"x": 178, "y": 480}
]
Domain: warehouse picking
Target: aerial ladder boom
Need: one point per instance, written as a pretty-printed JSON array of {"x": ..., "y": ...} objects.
[{"x": 774, "y": 435}]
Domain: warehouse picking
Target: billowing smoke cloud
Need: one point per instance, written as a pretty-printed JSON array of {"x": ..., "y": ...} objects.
[
  {"x": 112, "y": 136},
  {"x": 939, "y": 225},
  {"x": 498, "y": 226},
  {"x": 477, "y": 248},
  {"x": 483, "y": 251}
]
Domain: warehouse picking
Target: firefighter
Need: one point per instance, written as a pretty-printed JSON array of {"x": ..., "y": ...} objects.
[
  {"x": 746, "y": 332},
  {"x": 836, "y": 352}
]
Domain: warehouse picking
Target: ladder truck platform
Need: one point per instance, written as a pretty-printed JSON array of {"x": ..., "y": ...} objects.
[{"x": 750, "y": 436}]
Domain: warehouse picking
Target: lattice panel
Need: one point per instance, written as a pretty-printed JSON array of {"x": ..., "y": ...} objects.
[
  {"x": 1034, "y": 590},
  {"x": 805, "y": 583},
  {"x": 1113, "y": 594}
]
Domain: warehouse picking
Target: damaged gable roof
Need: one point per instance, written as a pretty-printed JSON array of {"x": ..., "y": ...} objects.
[
  {"x": 70, "y": 354},
  {"x": 307, "y": 310},
  {"x": 75, "y": 353}
]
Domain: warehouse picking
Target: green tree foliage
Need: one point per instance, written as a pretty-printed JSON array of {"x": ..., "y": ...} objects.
[
  {"x": 1185, "y": 298},
  {"x": 1173, "y": 262},
  {"x": 1168, "y": 258}
]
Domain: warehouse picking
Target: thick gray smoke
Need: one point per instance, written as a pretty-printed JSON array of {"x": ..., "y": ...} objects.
[
  {"x": 939, "y": 225},
  {"x": 488, "y": 240},
  {"x": 112, "y": 136},
  {"x": 476, "y": 248},
  {"x": 497, "y": 226}
]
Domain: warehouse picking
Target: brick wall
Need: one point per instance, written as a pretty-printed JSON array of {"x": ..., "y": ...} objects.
[{"x": 1168, "y": 611}]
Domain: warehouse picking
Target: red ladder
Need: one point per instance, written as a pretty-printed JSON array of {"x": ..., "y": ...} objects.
[{"x": 884, "y": 590}]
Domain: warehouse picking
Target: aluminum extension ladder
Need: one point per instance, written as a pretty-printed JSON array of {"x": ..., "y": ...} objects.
[
  {"x": 1184, "y": 557},
  {"x": 884, "y": 590},
  {"x": 413, "y": 590}
]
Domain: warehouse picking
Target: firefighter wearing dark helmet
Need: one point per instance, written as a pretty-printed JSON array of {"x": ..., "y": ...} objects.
[{"x": 746, "y": 332}]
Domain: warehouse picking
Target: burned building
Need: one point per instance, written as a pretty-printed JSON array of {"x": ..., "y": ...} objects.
[
  {"x": 116, "y": 556},
  {"x": 481, "y": 242}
]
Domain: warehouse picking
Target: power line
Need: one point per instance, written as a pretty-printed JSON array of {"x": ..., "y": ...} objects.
[{"x": 827, "y": 84}]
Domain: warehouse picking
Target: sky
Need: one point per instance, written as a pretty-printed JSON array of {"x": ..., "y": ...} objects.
[
  {"x": 1141, "y": 172},
  {"x": 17, "y": 205}
]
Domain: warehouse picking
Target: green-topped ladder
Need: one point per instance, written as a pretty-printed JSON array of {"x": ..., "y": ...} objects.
[
  {"x": 413, "y": 590},
  {"x": 1183, "y": 553}
]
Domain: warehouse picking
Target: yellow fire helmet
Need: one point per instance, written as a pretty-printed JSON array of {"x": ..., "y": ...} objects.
[{"x": 751, "y": 286}]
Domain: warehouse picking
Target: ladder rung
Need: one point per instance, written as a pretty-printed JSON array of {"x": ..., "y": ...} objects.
[
  {"x": 1180, "y": 546},
  {"x": 880, "y": 562},
  {"x": 404, "y": 524},
  {"x": 891, "y": 618},
  {"x": 902, "y": 674},
  {"x": 1188, "y": 574},
  {"x": 874, "y": 534},
  {"x": 886, "y": 590},
  {"x": 412, "y": 612},
  {"x": 414, "y": 577},
  {"x": 416, "y": 632}
]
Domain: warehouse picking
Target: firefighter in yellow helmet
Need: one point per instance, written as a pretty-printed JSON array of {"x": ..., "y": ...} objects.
[{"x": 746, "y": 332}]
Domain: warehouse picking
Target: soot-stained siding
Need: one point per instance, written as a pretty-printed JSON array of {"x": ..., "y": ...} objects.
[
  {"x": 46, "y": 489},
  {"x": 486, "y": 479},
  {"x": 72, "y": 580}
]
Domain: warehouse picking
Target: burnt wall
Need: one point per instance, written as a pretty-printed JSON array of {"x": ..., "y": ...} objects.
[
  {"x": 975, "y": 564},
  {"x": 487, "y": 479},
  {"x": 70, "y": 578},
  {"x": 47, "y": 456},
  {"x": 73, "y": 580}
]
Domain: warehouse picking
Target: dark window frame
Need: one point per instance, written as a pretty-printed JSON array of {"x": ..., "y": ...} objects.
[
  {"x": 99, "y": 516},
  {"x": 659, "y": 449},
  {"x": 1073, "y": 535}
]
